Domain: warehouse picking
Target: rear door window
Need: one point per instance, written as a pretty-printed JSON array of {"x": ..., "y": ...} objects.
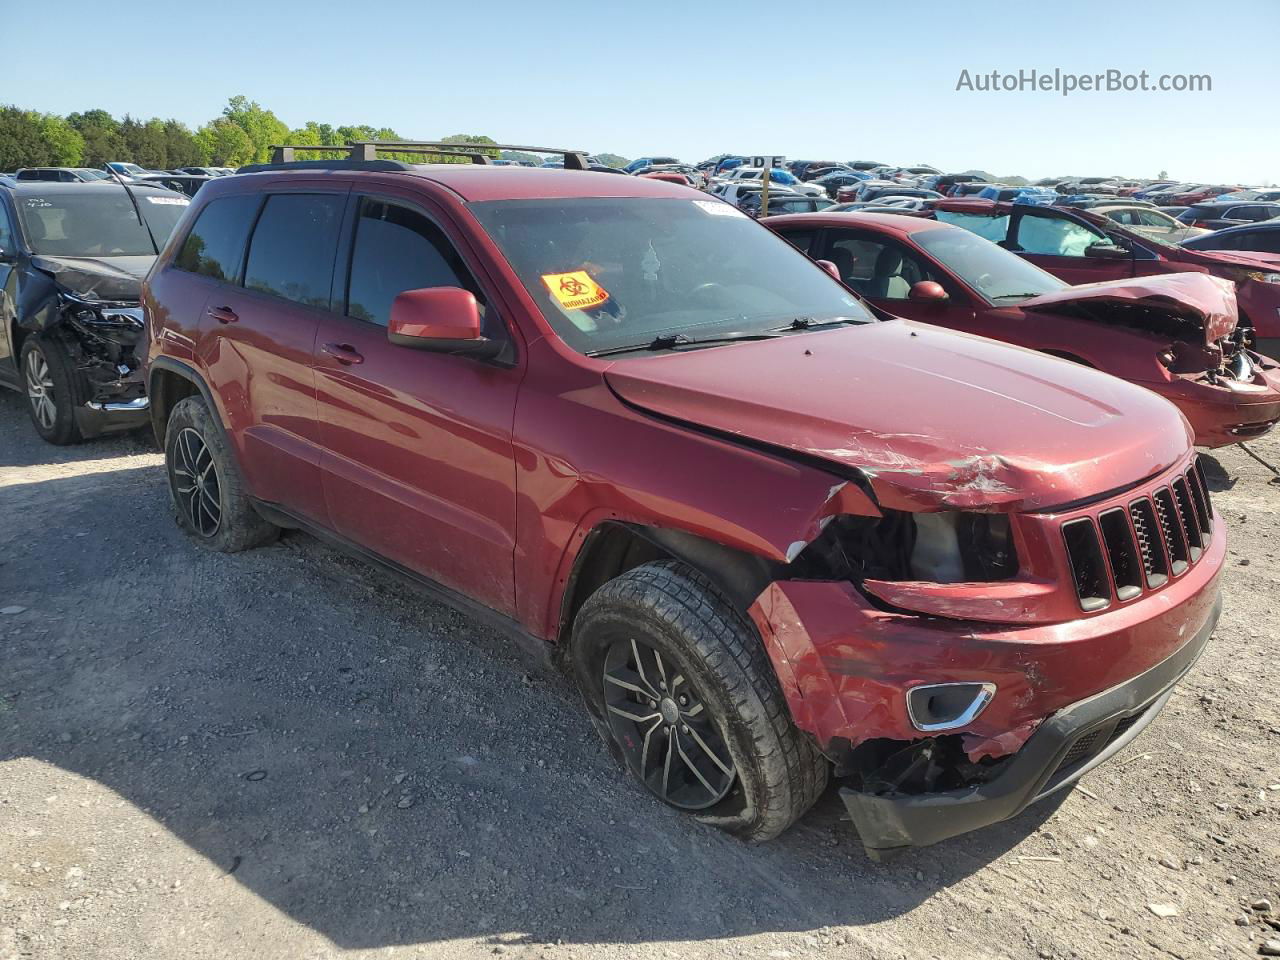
[
  {"x": 215, "y": 246},
  {"x": 293, "y": 247}
]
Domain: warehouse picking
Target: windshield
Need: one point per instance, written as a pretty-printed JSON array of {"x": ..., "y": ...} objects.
[
  {"x": 991, "y": 270},
  {"x": 613, "y": 272},
  {"x": 97, "y": 222}
]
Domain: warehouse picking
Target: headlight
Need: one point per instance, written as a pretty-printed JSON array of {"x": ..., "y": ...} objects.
[
  {"x": 1238, "y": 274},
  {"x": 944, "y": 547},
  {"x": 955, "y": 547}
]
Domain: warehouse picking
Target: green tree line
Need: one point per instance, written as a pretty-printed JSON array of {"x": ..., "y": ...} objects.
[{"x": 243, "y": 133}]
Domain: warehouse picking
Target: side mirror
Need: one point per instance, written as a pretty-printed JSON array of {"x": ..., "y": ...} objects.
[
  {"x": 1106, "y": 251},
  {"x": 927, "y": 291},
  {"x": 831, "y": 268},
  {"x": 6, "y": 256},
  {"x": 443, "y": 319}
]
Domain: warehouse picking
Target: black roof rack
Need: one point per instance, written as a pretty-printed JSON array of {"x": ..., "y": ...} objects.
[{"x": 364, "y": 152}]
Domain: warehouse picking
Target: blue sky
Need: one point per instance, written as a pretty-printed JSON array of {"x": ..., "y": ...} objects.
[{"x": 852, "y": 81}]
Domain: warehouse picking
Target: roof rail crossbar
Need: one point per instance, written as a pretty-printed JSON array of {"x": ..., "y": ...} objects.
[
  {"x": 369, "y": 149},
  {"x": 285, "y": 153},
  {"x": 478, "y": 152}
]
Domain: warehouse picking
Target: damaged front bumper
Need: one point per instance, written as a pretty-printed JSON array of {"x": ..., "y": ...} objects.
[
  {"x": 1228, "y": 412},
  {"x": 1064, "y": 747},
  {"x": 98, "y": 417}
]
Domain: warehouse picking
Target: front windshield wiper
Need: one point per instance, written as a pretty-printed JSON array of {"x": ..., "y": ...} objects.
[
  {"x": 670, "y": 341},
  {"x": 1020, "y": 296},
  {"x": 808, "y": 323}
]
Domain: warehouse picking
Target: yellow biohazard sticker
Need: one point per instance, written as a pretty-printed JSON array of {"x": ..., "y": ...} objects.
[{"x": 576, "y": 290}]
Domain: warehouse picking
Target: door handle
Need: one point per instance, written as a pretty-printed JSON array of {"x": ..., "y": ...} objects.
[
  {"x": 344, "y": 353},
  {"x": 223, "y": 314}
]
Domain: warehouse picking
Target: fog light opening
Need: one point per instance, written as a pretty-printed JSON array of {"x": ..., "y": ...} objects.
[{"x": 947, "y": 706}]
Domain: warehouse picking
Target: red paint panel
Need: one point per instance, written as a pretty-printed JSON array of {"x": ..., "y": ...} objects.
[{"x": 912, "y": 407}]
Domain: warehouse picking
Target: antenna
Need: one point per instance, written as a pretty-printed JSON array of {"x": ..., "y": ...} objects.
[{"x": 142, "y": 222}]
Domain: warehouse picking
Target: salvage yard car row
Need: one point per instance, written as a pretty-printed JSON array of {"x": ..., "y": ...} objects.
[{"x": 950, "y": 573}]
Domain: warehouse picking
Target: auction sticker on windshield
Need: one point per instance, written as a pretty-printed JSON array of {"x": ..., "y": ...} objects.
[
  {"x": 575, "y": 290},
  {"x": 718, "y": 208}
]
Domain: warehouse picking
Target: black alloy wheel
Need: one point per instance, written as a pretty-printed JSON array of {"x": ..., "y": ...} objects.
[
  {"x": 196, "y": 484},
  {"x": 664, "y": 729}
]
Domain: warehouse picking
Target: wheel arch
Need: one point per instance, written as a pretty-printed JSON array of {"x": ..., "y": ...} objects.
[
  {"x": 612, "y": 547},
  {"x": 170, "y": 381}
]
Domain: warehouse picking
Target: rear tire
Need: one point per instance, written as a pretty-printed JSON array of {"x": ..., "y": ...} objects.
[
  {"x": 677, "y": 679},
  {"x": 54, "y": 389},
  {"x": 207, "y": 490}
]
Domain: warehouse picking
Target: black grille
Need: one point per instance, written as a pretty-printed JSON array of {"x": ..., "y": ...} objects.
[
  {"x": 1171, "y": 529},
  {"x": 1124, "y": 550},
  {"x": 1088, "y": 569},
  {"x": 1086, "y": 746},
  {"x": 1187, "y": 517},
  {"x": 1122, "y": 553},
  {"x": 1200, "y": 498},
  {"x": 1093, "y": 743},
  {"x": 1150, "y": 542}
]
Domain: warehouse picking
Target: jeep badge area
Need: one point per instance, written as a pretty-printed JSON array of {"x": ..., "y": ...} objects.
[
  {"x": 72, "y": 258},
  {"x": 773, "y": 538}
]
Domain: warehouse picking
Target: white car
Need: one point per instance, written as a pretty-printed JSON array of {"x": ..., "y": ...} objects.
[
  {"x": 733, "y": 190},
  {"x": 779, "y": 178}
]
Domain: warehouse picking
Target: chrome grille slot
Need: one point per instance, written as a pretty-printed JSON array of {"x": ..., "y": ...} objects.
[
  {"x": 1122, "y": 553},
  {"x": 1088, "y": 569}
]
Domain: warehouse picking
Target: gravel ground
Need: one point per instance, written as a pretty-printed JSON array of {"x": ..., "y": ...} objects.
[{"x": 285, "y": 754}]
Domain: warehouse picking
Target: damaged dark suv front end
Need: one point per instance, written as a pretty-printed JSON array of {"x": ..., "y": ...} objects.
[{"x": 74, "y": 256}]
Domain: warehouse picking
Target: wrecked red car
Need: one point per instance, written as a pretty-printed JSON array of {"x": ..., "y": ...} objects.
[
  {"x": 1175, "y": 334},
  {"x": 772, "y": 538},
  {"x": 1080, "y": 246}
]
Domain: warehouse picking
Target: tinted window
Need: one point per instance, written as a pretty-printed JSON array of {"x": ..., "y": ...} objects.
[
  {"x": 6, "y": 231},
  {"x": 397, "y": 249},
  {"x": 293, "y": 246},
  {"x": 215, "y": 245}
]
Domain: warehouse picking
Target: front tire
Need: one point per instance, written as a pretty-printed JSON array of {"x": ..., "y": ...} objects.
[
  {"x": 681, "y": 690},
  {"x": 209, "y": 498},
  {"x": 54, "y": 389}
]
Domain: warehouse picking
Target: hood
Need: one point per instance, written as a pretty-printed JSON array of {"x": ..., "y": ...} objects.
[
  {"x": 933, "y": 419},
  {"x": 109, "y": 278},
  {"x": 1189, "y": 301}
]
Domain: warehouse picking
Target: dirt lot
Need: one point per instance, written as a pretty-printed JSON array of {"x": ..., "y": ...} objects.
[{"x": 284, "y": 754}]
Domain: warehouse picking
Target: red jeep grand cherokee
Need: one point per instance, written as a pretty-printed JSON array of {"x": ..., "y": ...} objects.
[{"x": 773, "y": 538}]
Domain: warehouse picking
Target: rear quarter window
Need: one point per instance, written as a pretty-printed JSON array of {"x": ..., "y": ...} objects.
[{"x": 215, "y": 245}]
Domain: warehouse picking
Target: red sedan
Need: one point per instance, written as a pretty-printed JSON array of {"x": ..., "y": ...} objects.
[
  {"x": 1080, "y": 246},
  {"x": 1175, "y": 335}
]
